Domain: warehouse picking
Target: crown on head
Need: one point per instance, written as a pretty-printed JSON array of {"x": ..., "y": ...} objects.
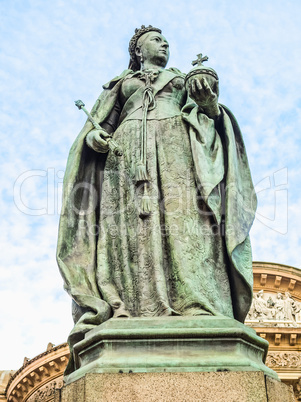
[{"x": 138, "y": 33}]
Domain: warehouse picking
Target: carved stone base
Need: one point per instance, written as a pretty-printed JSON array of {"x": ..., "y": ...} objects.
[
  {"x": 170, "y": 344},
  {"x": 206, "y": 387}
]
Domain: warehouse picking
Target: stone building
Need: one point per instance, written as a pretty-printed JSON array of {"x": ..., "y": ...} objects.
[
  {"x": 275, "y": 314},
  {"x": 38, "y": 378}
]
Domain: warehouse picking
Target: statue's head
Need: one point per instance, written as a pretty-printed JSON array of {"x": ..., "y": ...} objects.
[{"x": 148, "y": 43}]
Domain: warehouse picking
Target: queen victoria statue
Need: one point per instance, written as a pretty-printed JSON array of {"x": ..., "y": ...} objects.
[{"x": 159, "y": 225}]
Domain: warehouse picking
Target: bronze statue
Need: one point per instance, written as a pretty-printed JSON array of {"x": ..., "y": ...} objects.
[{"x": 162, "y": 229}]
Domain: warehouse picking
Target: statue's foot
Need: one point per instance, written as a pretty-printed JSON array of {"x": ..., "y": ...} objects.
[
  {"x": 120, "y": 311},
  {"x": 196, "y": 312},
  {"x": 169, "y": 311},
  {"x": 124, "y": 315},
  {"x": 202, "y": 312}
]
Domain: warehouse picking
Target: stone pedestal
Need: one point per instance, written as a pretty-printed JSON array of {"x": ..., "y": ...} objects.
[
  {"x": 170, "y": 344},
  {"x": 199, "y": 386},
  {"x": 202, "y": 358}
]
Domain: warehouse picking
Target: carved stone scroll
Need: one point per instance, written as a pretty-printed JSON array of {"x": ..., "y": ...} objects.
[{"x": 283, "y": 359}]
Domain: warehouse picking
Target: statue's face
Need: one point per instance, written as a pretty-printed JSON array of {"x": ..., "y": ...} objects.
[{"x": 154, "y": 48}]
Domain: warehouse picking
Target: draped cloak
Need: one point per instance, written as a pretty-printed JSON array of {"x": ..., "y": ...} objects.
[{"x": 218, "y": 155}]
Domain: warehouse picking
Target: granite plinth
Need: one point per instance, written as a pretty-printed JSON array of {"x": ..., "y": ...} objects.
[
  {"x": 199, "y": 386},
  {"x": 170, "y": 344}
]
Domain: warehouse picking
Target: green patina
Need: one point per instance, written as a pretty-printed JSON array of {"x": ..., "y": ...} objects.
[{"x": 161, "y": 228}]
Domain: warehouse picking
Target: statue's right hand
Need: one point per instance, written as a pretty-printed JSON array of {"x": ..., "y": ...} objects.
[{"x": 96, "y": 142}]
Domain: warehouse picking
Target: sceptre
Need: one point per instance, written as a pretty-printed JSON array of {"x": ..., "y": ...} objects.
[{"x": 113, "y": 146}]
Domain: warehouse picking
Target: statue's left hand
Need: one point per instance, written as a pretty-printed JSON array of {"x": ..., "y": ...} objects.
[{"x": 201, "y": 92}]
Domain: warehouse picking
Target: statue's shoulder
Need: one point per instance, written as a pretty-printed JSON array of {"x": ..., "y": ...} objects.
[
  {"x": 126, "y": 73},
  {"x": 176, "y": 71},
  {"x": 115, "y": 80},
  {"x": 110, "y": 92}
]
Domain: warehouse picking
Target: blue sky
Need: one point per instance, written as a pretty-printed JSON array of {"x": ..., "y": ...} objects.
[{"x": 54, "y": 52}]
